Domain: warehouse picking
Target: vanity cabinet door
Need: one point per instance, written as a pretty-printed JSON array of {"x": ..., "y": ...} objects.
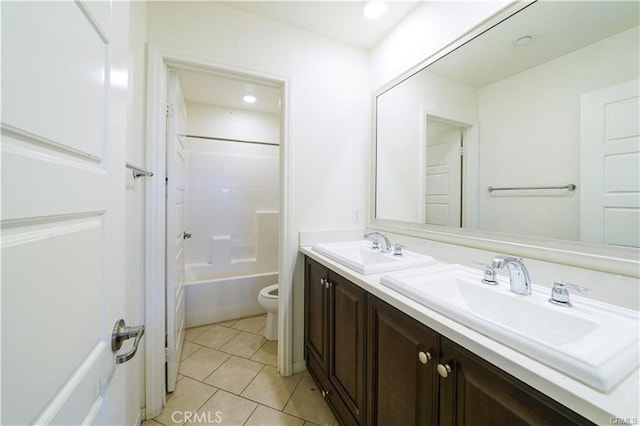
[
  {"x": 316, "y": 313},
  {"x": 335, "y": 327},
  {"x": 474, "y": 392},
  {"x": 403, "y": 385},
  {"x": 347, "y": 343}
]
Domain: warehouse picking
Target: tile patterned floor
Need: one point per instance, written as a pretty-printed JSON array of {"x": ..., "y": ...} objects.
[{"x": 228, "y": 376}]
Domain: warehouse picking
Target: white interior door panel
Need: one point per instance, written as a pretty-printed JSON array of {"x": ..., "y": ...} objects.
[
  {"x": 176, "y": 172},
  {"x": 62, "y": 212},
  {"x": 610, "y": 165}
]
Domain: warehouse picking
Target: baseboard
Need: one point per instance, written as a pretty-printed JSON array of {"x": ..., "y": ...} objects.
[{"x": 299, "y": 366}]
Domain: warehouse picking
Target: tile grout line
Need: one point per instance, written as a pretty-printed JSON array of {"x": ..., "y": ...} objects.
[
  {"x": 253, "y": 411},
  {"x": 239, "y": 395},
  {"x": 291, "y": 396},
  {"x": 249, "y": 358},
  {"x": 304, "y": 421},
  {"x": 191, "y": 354},
  {"x": 217, "y": 368},
  {"x": 208, "y": 399}
]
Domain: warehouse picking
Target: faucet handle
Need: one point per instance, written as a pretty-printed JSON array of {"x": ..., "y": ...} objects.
[
  {"x": 397, "y": 250},
  {"x": 560, "y": 293},
  {"x": 489, "y": 273}
]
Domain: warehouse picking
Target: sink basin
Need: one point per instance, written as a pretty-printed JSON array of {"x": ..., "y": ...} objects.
[
  {"x": 593, "y": 342},
  {"x": 360, "y": 257}
]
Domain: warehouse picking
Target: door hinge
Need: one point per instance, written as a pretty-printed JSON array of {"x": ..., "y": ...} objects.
[
  {"x": 168, "y": 355},
  {"x": 461, "y": 151},
  {"x": 169, "y": 110}
]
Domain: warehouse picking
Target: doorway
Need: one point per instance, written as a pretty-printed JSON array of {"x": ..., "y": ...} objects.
[{"x": 160, "y": 62}]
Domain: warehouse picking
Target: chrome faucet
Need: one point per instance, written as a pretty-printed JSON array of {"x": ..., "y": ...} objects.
[
  {"x": 377, "y": 237},
  {"x": 560, "y": 295},
  {"x": 518, "y": 274}
]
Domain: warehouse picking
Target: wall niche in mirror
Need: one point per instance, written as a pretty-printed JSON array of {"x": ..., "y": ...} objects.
[{"x": 543, "y": 108}]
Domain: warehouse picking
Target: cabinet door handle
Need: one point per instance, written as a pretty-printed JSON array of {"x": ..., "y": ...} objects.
[
  {"x": 325, "y": 394},
  {"x": 326, "y": 283},
  {"x": 424, "y": 357},
  {"x": 444, "y": 370},
  {"x": 322, "y": 281}
]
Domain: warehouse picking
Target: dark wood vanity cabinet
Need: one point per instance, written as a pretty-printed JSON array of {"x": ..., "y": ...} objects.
[
  {"x": 402, "y": 379},
  {"x": 335, "y": 327},
  {"x": 316, "y": 312},
  {"x": 375, "y": 365},
  {"x": 475, "y": 392}
]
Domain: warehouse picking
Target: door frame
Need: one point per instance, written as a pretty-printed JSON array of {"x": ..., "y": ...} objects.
[
  {"x": 158, "y": 61},
  {"x": 468, "y": 168}
]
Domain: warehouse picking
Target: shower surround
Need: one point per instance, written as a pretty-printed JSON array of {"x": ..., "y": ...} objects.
[{"x": 232, "y": 200}]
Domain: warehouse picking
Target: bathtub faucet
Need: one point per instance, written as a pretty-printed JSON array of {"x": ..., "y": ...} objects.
[{"x": 378, "y": 238}]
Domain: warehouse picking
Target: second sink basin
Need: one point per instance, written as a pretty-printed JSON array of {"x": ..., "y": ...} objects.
[
  {"x": 593, "y": 342},
  {"x": 360, "y": 257}
]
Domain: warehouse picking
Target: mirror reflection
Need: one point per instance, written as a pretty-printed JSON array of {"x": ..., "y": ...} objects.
[{"x": 530, "y": 128}]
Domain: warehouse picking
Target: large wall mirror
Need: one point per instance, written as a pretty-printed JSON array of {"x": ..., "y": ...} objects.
[{"x": 530, "y": 128}]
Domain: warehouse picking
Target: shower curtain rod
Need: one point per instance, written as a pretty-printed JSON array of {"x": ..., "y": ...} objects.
[{"x": 232, "y": 140}]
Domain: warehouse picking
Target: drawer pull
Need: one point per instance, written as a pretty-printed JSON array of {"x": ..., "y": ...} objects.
[
  {"x": 444, "y": 370},
  {"x": 424, "y": 357}
]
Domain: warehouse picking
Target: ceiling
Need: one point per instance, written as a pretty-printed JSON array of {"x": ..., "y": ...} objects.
[
  {"x": 339, "y": 20},
  {"x": 557, "y": 28},
  {"x": 227, "y": 91},
  {"x": 344, "y": 21}
]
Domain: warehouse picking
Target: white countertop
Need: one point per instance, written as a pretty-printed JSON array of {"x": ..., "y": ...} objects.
[{"x": 622, "y": 403}]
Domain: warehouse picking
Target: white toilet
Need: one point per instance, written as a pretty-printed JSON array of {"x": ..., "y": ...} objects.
[{"x": 268, "y": 299}]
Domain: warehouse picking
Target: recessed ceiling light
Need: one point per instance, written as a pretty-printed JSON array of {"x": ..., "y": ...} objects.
[
  {"x": 374, "y": 9},
  {"x": 523, "y": 41},
  {"x": 249, "y": 99}
]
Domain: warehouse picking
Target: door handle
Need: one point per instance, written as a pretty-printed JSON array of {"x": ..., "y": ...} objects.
[
  {"x": 121, "y": 333},
  {"x": 186, "y": 235}
]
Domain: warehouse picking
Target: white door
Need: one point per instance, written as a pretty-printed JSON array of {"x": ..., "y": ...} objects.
[
  {"x": 443, "y": 174},
  {"x": 176, "y": 134},
  {"x": 610, "y": 165},
  {"x": 63, "y": 188}
]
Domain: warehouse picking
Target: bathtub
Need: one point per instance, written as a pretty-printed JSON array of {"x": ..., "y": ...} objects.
[{"x": 211, "y": 297}]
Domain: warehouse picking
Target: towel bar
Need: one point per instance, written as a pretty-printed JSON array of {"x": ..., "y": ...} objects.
[{"x": 570, "y": 187}]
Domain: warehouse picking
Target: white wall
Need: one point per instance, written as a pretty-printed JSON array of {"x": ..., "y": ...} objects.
[
  {"x": 220, "y": 122},
  {"x": 134, "y": 205},
  {"x": 402, "y": 134},
  {"x": 329, "y": 100},
  {"x": 538, "y": 143},
  {"x": 329, "y": 108}
]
